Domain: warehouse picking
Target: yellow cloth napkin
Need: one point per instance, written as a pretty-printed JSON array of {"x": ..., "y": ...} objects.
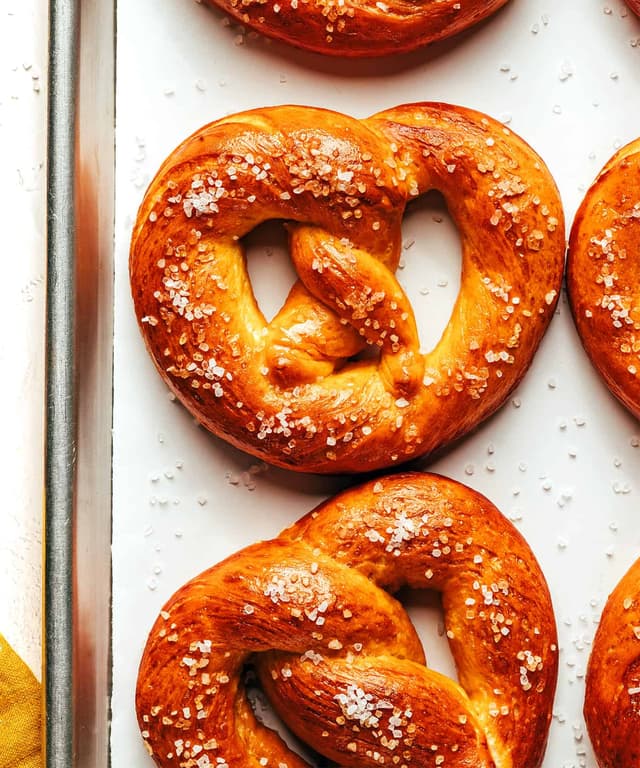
[{"x": 20, "y": 712}]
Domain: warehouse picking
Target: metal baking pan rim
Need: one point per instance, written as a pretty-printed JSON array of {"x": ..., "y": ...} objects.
[{"x": 79, "y": 331}]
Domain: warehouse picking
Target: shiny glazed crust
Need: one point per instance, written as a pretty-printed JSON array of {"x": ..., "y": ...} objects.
[
  {"x": 603, "y": 272},
  {"x": 359, "y": 27},
  {"x": 612, "y": 700},
  {"x": 286, "y": 391},
  {"x": 634, "y": 5},
  {"x": 337, "y": 655}
]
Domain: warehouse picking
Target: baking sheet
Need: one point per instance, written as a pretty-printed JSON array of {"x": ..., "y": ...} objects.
[
  {"x": 561, "y": 459},
  {"x": 77, "y": 519}
]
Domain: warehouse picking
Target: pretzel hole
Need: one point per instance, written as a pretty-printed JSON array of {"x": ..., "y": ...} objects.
[
  {"x": 269, "y": 265},
  {"x": 430, "y": 265},
  {"x": 424, "y": 607}
]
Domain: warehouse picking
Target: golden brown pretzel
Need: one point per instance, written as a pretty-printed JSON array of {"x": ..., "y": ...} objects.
[
  {"x": 634, "y": 5},
  {"x": 612, "y": 700},
  {"x": 603, "y": 274},
  {"x": 285, "y": 390},
  {"x": 359, "y": 27},
  {"x": 339, "y": 658}
]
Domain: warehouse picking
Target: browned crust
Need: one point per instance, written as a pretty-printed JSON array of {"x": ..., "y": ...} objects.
[
  {"x": 612, "y": 700},
  {"x": 283, "y": 390},
  {"x": 310, "y": 610},
  {"x": 634, "y": 5},
  {"x": 602, "y": 274},
  {"x": 358, "y": 28}
]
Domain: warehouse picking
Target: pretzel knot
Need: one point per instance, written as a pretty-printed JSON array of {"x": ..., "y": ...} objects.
[
  {"x": 612, "y": 696},
  {"x": 337, "y": 655},
  {"x": 602, "y": 274},
  {"x": 290, "y": 391},
  {"x": 358, "y": 27}
]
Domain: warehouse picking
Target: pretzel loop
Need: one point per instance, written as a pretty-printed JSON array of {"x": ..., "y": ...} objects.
[
  {"x": 612, "y": 694},
  {"x": 338, "y": 656},
  {"x": 290, "y": 391},
  {"x": 602, "y": 274}
]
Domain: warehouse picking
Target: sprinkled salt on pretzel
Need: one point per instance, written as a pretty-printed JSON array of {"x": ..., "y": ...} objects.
[
  {"x": 338, "y": 656},
  {"x": 289, "y": 391},
  {"x": 603, "y": 277},
  {"x": 612, "y": 699},
  {"x": 359, "y": 27}
]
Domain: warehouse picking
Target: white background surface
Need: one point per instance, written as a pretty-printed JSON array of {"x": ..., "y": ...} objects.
[
  {"x": 559, "y": 459},
  {"x": 23, "y": 36}
]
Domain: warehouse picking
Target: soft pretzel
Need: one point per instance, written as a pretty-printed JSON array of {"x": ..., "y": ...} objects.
[
  {"x": 612, "y": 700},
  {"x": 287, "y": 391},
  {"x": 359, "y": 27},
  {"x": 603, "y": 278},
  {"x": 634, "y": 5},
  {"x": 338, "y": 657}
]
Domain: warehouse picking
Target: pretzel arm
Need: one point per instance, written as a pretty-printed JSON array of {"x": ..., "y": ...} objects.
[
  {"x": 359, "y": 27},
  {"x": 307, "y": 341},
  {"x": 360, "y": 711},
  {"x": 342, "y": 276}
]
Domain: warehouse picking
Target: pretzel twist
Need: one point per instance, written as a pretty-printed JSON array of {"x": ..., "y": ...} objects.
[
  {"x": 602, "y": 274},
  {"x": 357, "y": 28},
  {"x": 612, "y": 698},
  {"x": 338, "y": 656},
  {"x": 286, "y": 391}
]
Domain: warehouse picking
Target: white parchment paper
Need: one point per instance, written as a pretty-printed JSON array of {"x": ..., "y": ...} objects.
[{"x": 561, "y": 459}]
